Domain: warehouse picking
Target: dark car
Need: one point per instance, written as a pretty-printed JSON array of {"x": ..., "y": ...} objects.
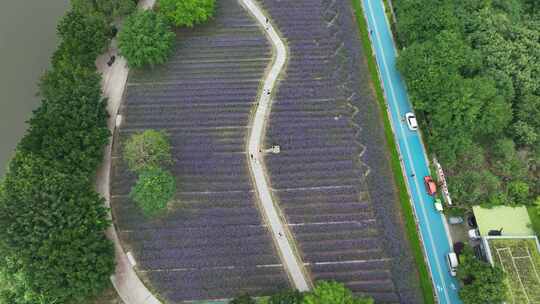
[{"x": 471, "y": 220}]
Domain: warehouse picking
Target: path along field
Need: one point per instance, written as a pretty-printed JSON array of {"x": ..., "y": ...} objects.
[
  {"x": 332, "y": 177},
  {"x": 212, "y": 244}
]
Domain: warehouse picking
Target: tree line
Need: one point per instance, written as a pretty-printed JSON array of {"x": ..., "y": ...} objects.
[
  {"x": 53, "y": 247},
  {"x": 472, "y": 70}
]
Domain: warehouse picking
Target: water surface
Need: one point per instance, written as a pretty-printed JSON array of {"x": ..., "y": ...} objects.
[{"x": 27, "y": 40}]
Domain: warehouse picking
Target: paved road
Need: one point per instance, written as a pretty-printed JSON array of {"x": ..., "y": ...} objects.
[
  {"x": 125, "y": 280},
  {"x": 431, "y": 223},
  {"x": 281, "y": 237}
]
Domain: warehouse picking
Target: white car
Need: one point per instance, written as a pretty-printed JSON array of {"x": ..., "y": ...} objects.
[
  {"x": 438, "y": 205},
  {"x": 411, "y": 121},
  {"x": 474, "y": 234},
  {"x": 452, "y": 260}
]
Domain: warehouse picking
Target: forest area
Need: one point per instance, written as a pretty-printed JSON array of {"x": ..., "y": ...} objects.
[{"x": 472, "y": 70}]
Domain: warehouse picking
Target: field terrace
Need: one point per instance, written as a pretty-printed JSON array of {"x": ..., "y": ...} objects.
[
  {"x": 332, "y": 177},
  {"x": 212, "y": 243}
]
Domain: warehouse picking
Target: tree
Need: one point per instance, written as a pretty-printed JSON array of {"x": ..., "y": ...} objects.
[
  {"x": 482, "y": 283},
  {"x": 186, "y": 12},
  {"x": 287, "y": 296},
  {"x": 145, "y": 39},
  {"x": 146, "y": 150},
  {"x": 333, "y": 293},
  {"x": 154, "y": 189},
  {"x": 52, "y": 240},
  {"x": 84, "y": 38}
]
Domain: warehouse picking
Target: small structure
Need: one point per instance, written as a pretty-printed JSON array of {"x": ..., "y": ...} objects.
[
  {"x": 276, "y": 149},
  {"x": 442, "y": 182},
  {"x": 514, "y": 221}
]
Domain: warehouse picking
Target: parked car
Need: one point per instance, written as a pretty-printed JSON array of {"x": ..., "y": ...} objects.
[
  {"x": 471, "y": 220},
  {"x": 455, "y": 220},
  {"x": 411, "y": 121},
  {"x": 438, "y": 205},
  {"x": 431, "y": 187},
  {"x": 474, "y": 234},
  {"x": 452, "y": 260}
]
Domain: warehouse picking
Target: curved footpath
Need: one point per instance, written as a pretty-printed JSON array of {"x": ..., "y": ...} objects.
[
  {"x": 125, "y": 280},
  {"x": 292, "y": 263}
]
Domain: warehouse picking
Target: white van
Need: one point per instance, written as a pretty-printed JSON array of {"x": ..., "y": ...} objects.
[{"x": 452, "y": 260}]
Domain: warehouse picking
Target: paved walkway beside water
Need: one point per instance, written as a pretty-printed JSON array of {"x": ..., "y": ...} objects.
[
  {"x": 125, "y": 279},
  {"x": 290, "y": 260}
]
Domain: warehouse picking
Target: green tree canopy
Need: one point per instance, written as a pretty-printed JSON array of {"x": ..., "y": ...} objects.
[
  {"x": 146, "y": 150},
  {"x": 52, "y": 242},
  {"x": 472, "y": 70},
  {"x": 71, "y": 123},
  {"x": 482, "y": 284},
  {"x": 84, "y": 38},
  {"x": 154, "y": 189},
  {"x": 145, "y": 39},
  {"x": 331, "y": 292},
  {"x": 186, "y": 12}
]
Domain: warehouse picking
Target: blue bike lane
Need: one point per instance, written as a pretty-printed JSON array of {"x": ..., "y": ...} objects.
[{"x": 430, "y": 222}]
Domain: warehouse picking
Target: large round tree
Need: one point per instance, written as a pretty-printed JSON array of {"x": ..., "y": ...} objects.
[
  {"x": 145, "y": 39},
  {"x": 154, "y": 189},
  {"x": 186, "y": 12},
  {"x": 146, "y": 150}
]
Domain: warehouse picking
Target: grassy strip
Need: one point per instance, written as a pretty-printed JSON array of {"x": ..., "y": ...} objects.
[
  {"x": 535, "y": 219},
  {"x": 407, "y": 212}
]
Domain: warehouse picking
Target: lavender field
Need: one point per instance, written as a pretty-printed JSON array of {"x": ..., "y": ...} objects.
[
  {"x": 332, "y": 178},
  {"x": 212, "y": 243}
]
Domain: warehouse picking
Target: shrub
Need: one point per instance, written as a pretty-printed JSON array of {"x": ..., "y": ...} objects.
[
  {"x": 287, "y": 296},
  {"x": 243, "y": 299},
  {"x": 146, "y": 150},
  {"x": 333, "y": 293},
  {"x": 53, "y": 244},
  {"x": 154, "y": 189},
  {"x": 145, "y": 39},
  {"x": 186, "y": 12},
  {"x": 518, "y": 192}
]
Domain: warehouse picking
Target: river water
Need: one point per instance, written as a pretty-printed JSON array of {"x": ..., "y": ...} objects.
[{"x": 27, "y": 40}]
